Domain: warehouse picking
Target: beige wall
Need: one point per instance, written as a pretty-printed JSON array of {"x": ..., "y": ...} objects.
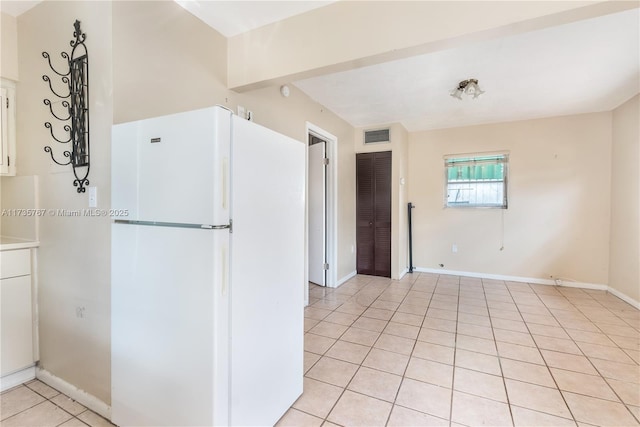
[
  {"x": 165, "y": 61},
  {"x": 398, "y": 146},
  {"x": 624, "y": 258},
  {"x": 403, "y": 199},
  {"x": 151, "y": 58},
  {"x": 557, "y": 223},
  {"x": 146, "y": 59},
  {"x": 74, "y": 255},
  {"x": 9, "y": 46},
  {"x": 19, "y": 192},
  {"x": 183, "y": 67},
  {"x": 289, "y": 116}
]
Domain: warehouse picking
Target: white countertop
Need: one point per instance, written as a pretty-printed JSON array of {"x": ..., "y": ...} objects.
[{"x": 11, "y": 243}]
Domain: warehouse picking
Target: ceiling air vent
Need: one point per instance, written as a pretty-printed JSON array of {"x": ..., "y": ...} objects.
[{"x": 374, "y": 136}]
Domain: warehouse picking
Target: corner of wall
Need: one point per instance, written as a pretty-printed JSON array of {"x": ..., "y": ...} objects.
[
  {"x": 9, "y": 46},
  {"x": 624, "y": 236}
]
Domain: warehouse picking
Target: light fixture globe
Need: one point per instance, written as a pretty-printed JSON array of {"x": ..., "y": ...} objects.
[
  {"x": 469, "y": 87},
  {"x": 457, "y": 93}
]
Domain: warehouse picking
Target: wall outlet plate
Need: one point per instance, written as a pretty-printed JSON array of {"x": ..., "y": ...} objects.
[{"x": 93, "y": 197}]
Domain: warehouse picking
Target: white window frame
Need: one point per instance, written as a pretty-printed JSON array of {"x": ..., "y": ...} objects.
[{"x": 478, "y": 158}]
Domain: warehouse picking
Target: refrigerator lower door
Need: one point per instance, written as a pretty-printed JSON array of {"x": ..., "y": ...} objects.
[
  {"x": 267, "y": 274},
  {"x": 169, "y": 326}
]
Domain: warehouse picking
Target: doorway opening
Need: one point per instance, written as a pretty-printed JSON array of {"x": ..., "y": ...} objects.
[{"x": 321, "y": 208}]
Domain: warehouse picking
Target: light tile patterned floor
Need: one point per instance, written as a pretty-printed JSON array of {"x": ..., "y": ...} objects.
[
  {"x": 435, "y": 350},
  {"x": 36, "y": 404}
]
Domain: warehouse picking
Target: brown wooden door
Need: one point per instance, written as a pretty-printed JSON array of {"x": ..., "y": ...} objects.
[{"x": 373, "y": 213}]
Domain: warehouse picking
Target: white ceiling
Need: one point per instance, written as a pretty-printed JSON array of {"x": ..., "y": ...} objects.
[
  {"x": 235, "y": 17},
  {"x": 16, "y": 7},
  {"x": 587, "y": 66}
]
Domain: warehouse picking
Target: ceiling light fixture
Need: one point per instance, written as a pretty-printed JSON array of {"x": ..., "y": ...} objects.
[{"x": 470, "y": 87}]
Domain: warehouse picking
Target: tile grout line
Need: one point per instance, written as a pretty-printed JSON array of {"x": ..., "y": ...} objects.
[
  {"x": 47, "y": 399},
  {"x": 495, "y": 342},
  {"x": 372, "y": 347},
  {"x": 620, "y": 400},
  {"x": 540, "y": 299},
  {"x": 395, "y": 397},
  {"x": 455, "y": 350},
  {"x": 561, "y": 326},
  {"x": 26, "y": 409},
  {"x": 542, "y": 356},
  {"x": 359, "y": 365},
  {"x": 402, "y": 378}
]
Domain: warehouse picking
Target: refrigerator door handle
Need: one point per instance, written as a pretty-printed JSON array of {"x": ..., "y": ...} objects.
[
  {"x": 216, "y": 227},
  {"x": 175, "y": 224},
  {"x": 219, "y": 227}
]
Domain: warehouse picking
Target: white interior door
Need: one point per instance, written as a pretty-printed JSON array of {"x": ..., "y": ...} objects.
[{"x": 317, "y": 213}]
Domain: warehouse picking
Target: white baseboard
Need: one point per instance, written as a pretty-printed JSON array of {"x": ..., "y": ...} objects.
[
  {"x": 17, "y": 378},
  {"x": 565, "y": 283},
  {"x": 345, "y": 278},
  {"x": 624, "y": 297},
  {"x": 535, "y": 280},
  {"x": 402, "y": 273},
  {"x": 80, "y": 396}
]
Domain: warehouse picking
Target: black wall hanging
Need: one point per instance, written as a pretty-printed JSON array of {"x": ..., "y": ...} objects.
[{"x": 75, "y": 105}]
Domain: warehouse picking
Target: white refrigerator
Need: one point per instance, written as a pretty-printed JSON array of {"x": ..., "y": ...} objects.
[{"x": 207, "y": 278}]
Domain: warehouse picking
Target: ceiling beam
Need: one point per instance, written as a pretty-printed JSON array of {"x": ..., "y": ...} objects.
[{"x": 351, "y": 34}]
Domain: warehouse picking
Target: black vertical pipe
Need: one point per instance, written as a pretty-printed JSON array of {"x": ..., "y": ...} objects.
[{"x": 409, "y": 207}]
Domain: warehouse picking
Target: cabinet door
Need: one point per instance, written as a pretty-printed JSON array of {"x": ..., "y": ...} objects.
[
  {"x": 373, "y": 213},
  {"x": 16, "y": 330},
  {"x": 8, "y": 128},
  {"x": 4, "y": 127}
]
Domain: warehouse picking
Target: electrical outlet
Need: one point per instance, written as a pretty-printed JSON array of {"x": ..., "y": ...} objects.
[
  {"x": 242, "y": 112},
  {"x": 93, "y": 197},
  {"x": 80, "y": 312}
]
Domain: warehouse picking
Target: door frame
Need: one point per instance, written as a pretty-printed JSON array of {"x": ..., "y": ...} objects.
[
  {"x": 332, "y": 206},
  {"x": 317, "y": 193}
]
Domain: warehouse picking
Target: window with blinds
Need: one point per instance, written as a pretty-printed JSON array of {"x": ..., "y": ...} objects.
[{"x": 478, "y": 181}]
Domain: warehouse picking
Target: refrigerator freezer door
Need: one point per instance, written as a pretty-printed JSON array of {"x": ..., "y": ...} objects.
[
  {"x": 168, "y": 296},
  {"x": 267, "y": 274},
  {"x": 173, "y": 169}
]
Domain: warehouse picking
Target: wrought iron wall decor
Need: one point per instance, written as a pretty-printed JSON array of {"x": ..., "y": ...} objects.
[{"x": 76, "y": 104}]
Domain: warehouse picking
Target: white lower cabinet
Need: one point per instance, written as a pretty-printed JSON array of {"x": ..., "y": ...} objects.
[
  {"x": 16, "y": 314},
  {"x": 17, "y": 336}
]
